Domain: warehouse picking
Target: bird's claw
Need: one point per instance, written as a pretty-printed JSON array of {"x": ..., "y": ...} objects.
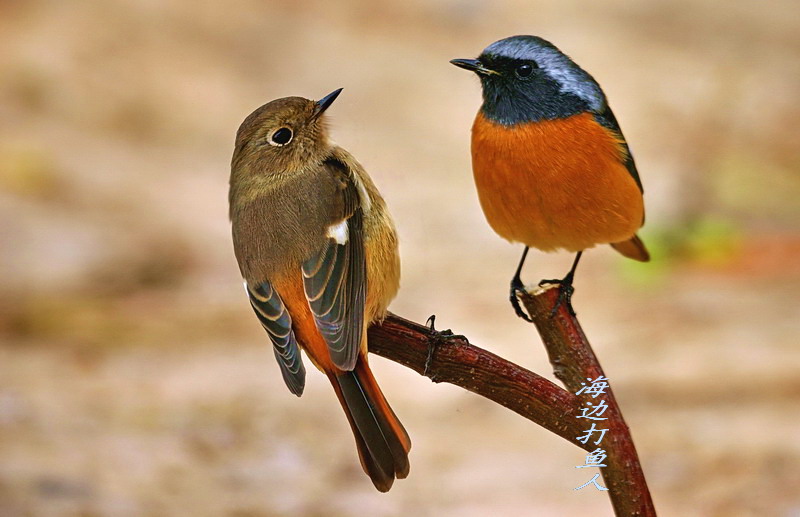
[
  {"x": 430, "y": 323},
  {"x": 518, "y": 287},
  {"x": 436, "y": 338},
  {"x": 565, "y": 292}
]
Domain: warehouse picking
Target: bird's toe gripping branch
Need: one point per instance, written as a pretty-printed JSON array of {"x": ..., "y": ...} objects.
[
  {"x": 436, "y": 338},
  {"x": 565, "y": 292},
  {"x": 516, "y": 289}
]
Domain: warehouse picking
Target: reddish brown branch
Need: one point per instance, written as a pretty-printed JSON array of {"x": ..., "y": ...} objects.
[
  {"x": 454, "y": 360},
  {"x": 573, "y": 363}
]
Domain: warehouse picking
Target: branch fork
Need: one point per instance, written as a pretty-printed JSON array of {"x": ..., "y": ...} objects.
[{"x": 444, "y": 357}]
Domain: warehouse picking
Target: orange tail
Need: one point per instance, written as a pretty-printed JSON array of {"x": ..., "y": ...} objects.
[
  {"x": 382, "y": 442},
  {"x": 632, "y": 248}
]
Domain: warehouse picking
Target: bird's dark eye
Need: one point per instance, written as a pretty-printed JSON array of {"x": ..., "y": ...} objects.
[
  {"x": 524, "y": 70},
  {"x": 281, "y": 137}
]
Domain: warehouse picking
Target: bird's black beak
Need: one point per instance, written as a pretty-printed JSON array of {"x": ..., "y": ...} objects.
[
  {"x": 325, "y": 102},
  {"x": 473, "y": 65}
]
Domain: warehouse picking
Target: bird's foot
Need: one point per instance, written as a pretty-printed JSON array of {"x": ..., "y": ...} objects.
[
  {"x": 565, "y": 292},
  {"x": 518, "y": 287},
  {"x": 436, "y": 338},
  {"x": 430, "y": 322}
]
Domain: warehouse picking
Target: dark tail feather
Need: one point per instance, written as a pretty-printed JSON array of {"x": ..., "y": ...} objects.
[
  {"x": 632, "y": 248},
  {"x": 382, "y": 442}
]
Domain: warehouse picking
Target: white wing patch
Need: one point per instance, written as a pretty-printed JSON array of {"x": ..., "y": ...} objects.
[
  {"x": 366, "y": 202},
  {"x": 339, "y": 232}
]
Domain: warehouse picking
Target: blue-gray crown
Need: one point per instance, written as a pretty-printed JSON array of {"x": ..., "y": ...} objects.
[{"x": 570, "y": 77}]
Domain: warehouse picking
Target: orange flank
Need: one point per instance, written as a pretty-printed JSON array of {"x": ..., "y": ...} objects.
[
  {"x": 555, "y": 184},
  {"x": 290, "y": 288}
]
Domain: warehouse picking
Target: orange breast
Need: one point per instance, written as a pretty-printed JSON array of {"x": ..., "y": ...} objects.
[{"x": 555, "y": 184}]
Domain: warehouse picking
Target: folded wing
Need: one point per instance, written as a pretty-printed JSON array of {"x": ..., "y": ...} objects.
[
  {"x": 275, "y": 319},
  {"x": 335, "y": 285}
]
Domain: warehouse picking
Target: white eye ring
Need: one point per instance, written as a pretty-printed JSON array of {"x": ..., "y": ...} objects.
[{"x": 281, "y": 137}]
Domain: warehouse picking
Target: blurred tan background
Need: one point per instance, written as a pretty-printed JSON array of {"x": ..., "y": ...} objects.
[{"x": 135, "y": 381}]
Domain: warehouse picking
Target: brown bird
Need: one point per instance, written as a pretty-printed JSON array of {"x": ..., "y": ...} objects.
[{"x": 318, "y": 252}]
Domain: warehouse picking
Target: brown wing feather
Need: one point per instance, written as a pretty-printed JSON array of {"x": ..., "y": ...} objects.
[{"x": 335, "y": 280}]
